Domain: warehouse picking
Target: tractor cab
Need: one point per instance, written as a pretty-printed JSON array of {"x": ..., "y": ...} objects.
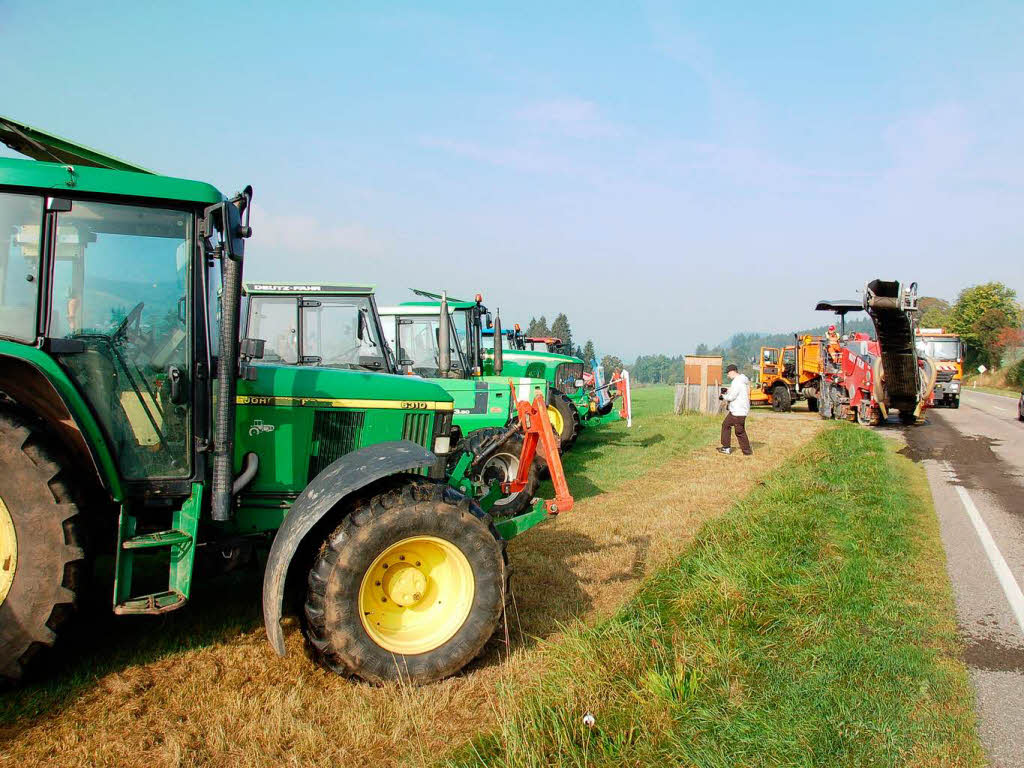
[{"x": 318, "y": 324}]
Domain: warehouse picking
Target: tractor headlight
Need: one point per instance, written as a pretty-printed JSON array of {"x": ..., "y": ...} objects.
[
  {"x": 442, "y": 445},
  {"x": 954, "y": 386}
]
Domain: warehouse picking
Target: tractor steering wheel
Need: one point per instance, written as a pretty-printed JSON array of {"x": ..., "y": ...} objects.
[{"x": 132, "y": 318}]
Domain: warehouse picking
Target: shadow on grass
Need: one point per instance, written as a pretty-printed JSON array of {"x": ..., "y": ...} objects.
[
  {"x": 557, "y": 595},
  {"x": 222, "y": 607}
]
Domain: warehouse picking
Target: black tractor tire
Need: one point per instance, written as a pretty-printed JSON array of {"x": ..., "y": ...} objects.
[
  {"x": 571, "y": 424},
  {"x": 812, "y": 404},
  {"x": 503, "y": 465},
  {"x": 782, "y": 398},
  {"x": 954, "y": 402},
  {"x": 416, "y": 508},
  {"x": 49, "y": 556}
]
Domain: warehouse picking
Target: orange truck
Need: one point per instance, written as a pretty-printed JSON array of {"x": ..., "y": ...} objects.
[
  {"x": 791, "y": 373},
  {"x": 947, "y": 350}
]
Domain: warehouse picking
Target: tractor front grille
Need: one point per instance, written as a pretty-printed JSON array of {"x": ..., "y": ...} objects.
[
  {"x": 335, "y": 433},
  {"x": 566, "y": 376},
  {"x": 945, "y": 375},
  {"x": 417, "y": 427}
]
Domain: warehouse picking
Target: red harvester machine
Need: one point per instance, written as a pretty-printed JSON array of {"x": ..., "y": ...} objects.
[{"x": 863, "y": 378}]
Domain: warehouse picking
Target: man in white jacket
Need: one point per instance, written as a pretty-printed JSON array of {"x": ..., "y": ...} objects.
[{"x": 738, "y": 398}]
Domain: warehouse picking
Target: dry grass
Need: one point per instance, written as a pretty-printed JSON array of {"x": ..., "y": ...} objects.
[{"x": 225, "y": 699}]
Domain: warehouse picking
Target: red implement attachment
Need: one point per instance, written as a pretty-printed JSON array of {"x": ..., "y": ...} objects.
[{"x": 533, "y": 418}]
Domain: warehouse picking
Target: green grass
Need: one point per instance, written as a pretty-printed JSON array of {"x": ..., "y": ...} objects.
[
  {"x": 1014, "y": 393},
  {"x": 607, "y": 455},
  {"x": 811, "y": 625}
]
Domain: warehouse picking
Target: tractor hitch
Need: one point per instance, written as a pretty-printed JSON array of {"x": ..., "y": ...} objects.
[{"x": 533, "y": 418}]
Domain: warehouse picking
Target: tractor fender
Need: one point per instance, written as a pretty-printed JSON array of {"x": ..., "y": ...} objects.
[{"x": 339, "y": 479}]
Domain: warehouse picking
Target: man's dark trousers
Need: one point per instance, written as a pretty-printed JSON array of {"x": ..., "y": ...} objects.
[{"x": 740, "y": 423}]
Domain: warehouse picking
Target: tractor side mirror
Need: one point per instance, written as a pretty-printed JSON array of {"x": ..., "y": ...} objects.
[
  {"x": 226, "y": 217},
  {"x": 489, "y": 319},
  {"x": 252, "y": 348}
]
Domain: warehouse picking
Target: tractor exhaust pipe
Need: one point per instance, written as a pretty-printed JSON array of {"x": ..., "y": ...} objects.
[
  {"x": 444, "y": 351},
  {"x": 498, "y": 342},
  {"x": 232, "y": 251}
]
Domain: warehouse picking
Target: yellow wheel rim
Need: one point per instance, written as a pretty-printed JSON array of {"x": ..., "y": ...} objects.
[
  {"x": 8, "y": 551},
  {"x": 555, "y": 417},
  {"x": 416, "y": 595}
]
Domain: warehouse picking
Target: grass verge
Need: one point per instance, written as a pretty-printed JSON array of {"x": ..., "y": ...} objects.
[
  {"x": 811, "y": 625},
  {"x": 1005, "y": 392}
]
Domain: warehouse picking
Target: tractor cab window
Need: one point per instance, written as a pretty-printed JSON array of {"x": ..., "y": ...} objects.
[
  {"x": 341, "y": 332},
  {"x": 770, "y": 356},
  {"x": 21, "y": 223},
  {"x": 465, "y": 329},
  {"x": 120, "y": 289},
  {"x": 418, "y": 337},
  {"x": 276, "y": 321}
]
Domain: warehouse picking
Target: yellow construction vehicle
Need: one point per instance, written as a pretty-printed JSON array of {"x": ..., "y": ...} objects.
[
  {"x": 791, "y": 373},
  {"x": 947, "y": 350}
]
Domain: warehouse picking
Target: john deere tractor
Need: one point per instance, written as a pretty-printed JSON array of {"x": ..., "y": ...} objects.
[
  {"x": 134, "y": 422},
  {"x": 338, "y": 326},
  {"x": 570, "y": 403}
]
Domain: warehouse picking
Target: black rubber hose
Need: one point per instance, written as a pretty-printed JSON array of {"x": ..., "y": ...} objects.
[{"x": 227, "y": 374}]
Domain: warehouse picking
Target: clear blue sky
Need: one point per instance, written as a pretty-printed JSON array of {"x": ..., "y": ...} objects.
[{"x": 666, "y": 174}]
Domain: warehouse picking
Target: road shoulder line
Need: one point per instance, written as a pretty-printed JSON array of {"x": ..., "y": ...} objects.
[{"x": 1011, "y": 588}]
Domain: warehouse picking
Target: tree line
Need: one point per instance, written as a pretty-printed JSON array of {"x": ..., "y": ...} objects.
[{"x": 987, "y": 317}]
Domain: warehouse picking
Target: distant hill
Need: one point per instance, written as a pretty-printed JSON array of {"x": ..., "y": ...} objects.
[
  {"x": 743, "y": 346},
  {"x": 738, "y": 349}
]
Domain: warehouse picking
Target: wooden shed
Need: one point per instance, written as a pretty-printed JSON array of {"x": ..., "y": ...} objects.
[
  {"x": 703, "y": 370},
  {"x": 702, "y": 377}
]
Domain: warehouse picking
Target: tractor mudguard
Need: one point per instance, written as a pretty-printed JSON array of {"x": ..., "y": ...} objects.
[{"x": 339, "y": 479}]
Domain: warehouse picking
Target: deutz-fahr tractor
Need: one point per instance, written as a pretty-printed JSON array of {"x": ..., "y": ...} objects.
[
  {"x": 133, "y": 423},
  {"x": 339, "y": 326}
]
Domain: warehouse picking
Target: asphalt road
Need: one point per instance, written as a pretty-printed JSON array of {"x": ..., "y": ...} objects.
[{"x": 974, "y": 457}]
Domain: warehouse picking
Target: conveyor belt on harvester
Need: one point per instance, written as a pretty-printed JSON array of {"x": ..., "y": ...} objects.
[{"x": 892, "y": 316}]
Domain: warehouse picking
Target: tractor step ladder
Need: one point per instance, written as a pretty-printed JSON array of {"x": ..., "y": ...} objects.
[{"x": 180, "y": 539}]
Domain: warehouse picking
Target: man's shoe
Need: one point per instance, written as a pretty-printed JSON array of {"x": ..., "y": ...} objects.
[{"x": 725, "y": 451}]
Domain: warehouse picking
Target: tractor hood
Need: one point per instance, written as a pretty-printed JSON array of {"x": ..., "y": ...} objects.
[
  {"x": 40, "y": 145},
  {"x": 302, "y": 385},
  {"x": 553, "y": 358}
]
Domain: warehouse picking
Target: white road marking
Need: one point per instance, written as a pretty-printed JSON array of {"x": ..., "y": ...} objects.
[{"x": 1009, "y": 584}]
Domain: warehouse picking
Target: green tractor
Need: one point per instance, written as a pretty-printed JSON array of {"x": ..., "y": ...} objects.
[
  {"x": 569, "y": 401},
  {"x": 339, "y": 326},
  {"x": 133, "y": 423}
]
